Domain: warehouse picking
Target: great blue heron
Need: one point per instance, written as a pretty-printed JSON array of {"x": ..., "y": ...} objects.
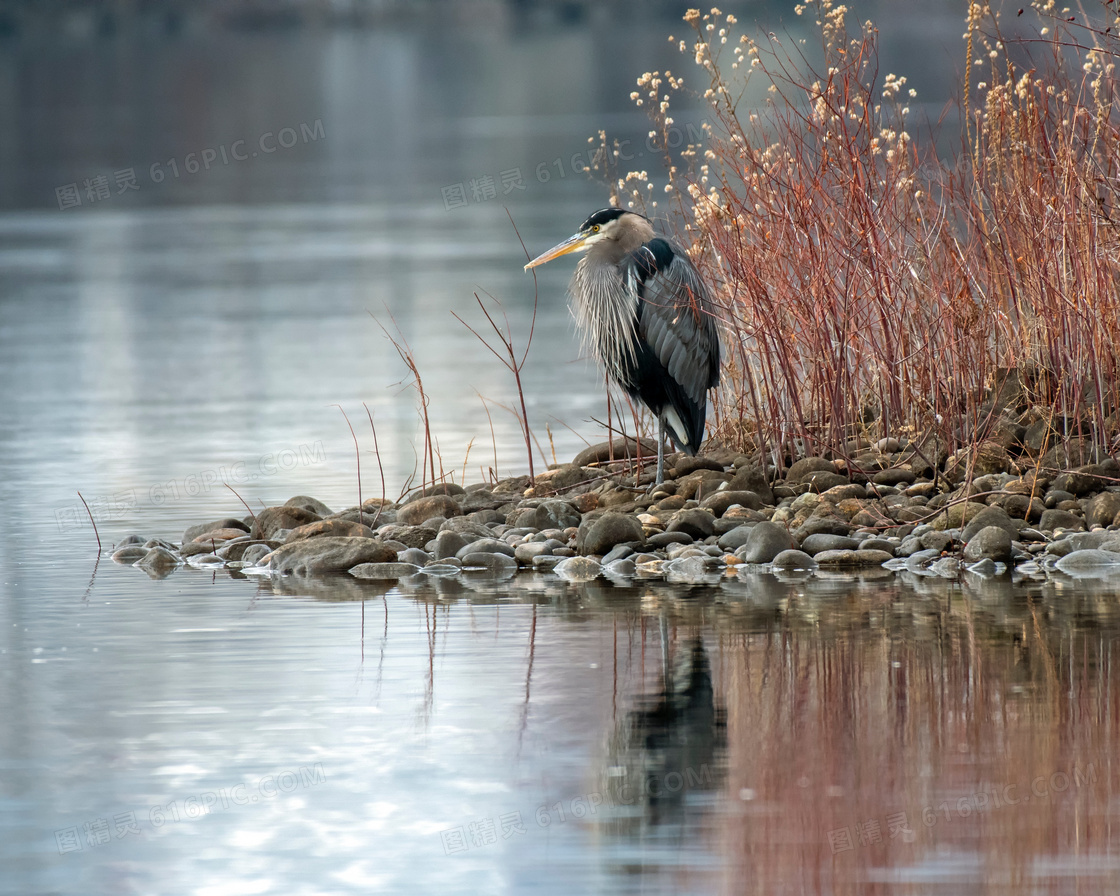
[{"x": 647, "y": 318}]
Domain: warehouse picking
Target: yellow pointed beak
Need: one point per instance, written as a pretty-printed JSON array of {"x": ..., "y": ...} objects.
[{"x": 572, "y": 244}]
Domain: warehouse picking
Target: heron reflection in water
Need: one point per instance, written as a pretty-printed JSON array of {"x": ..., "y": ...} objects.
[{"x": 647, "y": 318}]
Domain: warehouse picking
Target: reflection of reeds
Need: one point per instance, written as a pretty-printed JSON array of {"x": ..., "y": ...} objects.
[
  {"x": 870, "y": 288},
  {"x": 879, "y": 718}
]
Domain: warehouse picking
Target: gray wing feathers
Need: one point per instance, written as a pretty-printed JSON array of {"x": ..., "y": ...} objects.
[{"x": 678, "y": 325}]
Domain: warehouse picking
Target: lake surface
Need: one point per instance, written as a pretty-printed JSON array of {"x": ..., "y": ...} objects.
[{"x": 209, "y": 734}]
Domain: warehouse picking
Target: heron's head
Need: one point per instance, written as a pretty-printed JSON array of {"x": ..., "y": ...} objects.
[{"x": 608, "y": 224}]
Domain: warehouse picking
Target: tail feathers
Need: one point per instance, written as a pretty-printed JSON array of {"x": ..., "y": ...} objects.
[{"x": 686, "y": 437}]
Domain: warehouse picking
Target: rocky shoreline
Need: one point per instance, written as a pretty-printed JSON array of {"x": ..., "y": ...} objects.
[{"x": 893, "y": 505}]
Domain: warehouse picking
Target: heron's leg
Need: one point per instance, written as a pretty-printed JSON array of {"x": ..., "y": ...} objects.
[{"x": 660, "y": 451}]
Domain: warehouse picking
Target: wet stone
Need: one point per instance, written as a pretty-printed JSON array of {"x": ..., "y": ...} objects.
[
  {"x": 815, "y": 544},
  {"x": 599, "y": 535},
  {"x": 328, "y": 554},
  {"x": 414, "y": 556},
  {"x": 697, "y": 523},
  {"x": 384, "y": 570},
  {"x": 228, "y": 522},
  {"x": 1064, "y": 520},
  {"x": 485, "y": 546},
  {"x": 792, "y": 560},
  {"x": 268, "y": 523},
  {"x": 846, "y": 559},
  {"x": 314, "y": 505},
  {"x": 416, "y": 512},
  {"x": 764, "y": 542},
  {"x": 578, "y": 569},
  {"x": 488, "y": 560},
  {"x": 991, "y": 542},
  {"x": 158, "y": 559},
  {"x": 329, "y": 527},
  {"x": 129, "y": 554},
  {"x": 664, "y": 539}
]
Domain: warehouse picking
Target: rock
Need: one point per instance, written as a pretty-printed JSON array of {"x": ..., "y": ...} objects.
[
  {"x": 551, "y": 514},
  {"x": 894, "y": 476},
  {"x": 415, "y": 556},
  {"x": 467, "y": 527},
  {"x": 814, "y": 544},
  {"x": 936, "y": 541},
  {"x": 597, "y": 535},
  {"x": 801, "y": 468},
  {"x": 946, "y": 567},
  {"x": 1102, "y": 509},
  {"x": 822, "y": 525},
  {"x": 158, "y": 560},
  {"x": 623, "y": 568},
  {"x": 314, "y": 505},
  {"x": 329, "y": 527},
  {"x": 719, "y": 501},
  {"x": 254, "y": 553},
  {"x": 690, "y": 571},
  {"x": 851, "y": 559},
  {"x": 216, "y": 536},
  {"x": 448, "y": 544},
  {"x": 664, "y": 539},
  {"x": 524, "y": 553},
  {"x": 409, "y": 536},
  {"x": 206, "y": 561},
  {"x": 823, "y": 480},
  {"x": 750, "y": 478},
  {"x": 1090, "y": 562},
  {"x": 878, "y": 543},
  {"x": 764, "y": 542},
  {"x": 687, "y": 465},
  {"x": 272, "y": 519},
  {"x": 194, "y": 549},
  {"x": 489, "y": 561},
  {"x": 618, "y": 449},
  {"x": 328, "y": 554},
  {"x": 427, "y": 507},
  {"x": 439, "y": 488},
  {"x": 991, "y": 543},
  {"x": 697, "y": 523},
  {"x": 1054, "y": 519},
  {"x": 1072, "y": 454},
  {"x": 547, "y": 562},
  {"x": 793, "y": 560},
  {"x": 228, "y": 522},
  {"x": 129, "y": 554},
  {"x": 485, "y": 546},
  {"x": 957, "y": 515},
  {"x": 384, "y": 570},
  {"x": 991, "y": 516},
  {"x": 980, "y": 460},
  {"x": 236, "y": 550},
  {"x": 578, "y": 569}
]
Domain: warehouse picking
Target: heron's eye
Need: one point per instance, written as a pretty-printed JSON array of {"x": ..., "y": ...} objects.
[{"x": 594, "y": 228}]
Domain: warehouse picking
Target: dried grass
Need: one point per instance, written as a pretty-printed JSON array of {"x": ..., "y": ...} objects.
[{"x": 870, "y": 289}]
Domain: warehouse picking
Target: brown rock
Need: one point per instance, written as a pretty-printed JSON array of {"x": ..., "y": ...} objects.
[
  {"x": 618, "y": 449},
  {"x": 220, "y": 535},
  {"x": 415, "y": 512},
  {"x": 328, "y": 554},
  {"x": 802, "y": 468},
  {"x": 272, "y": 519},
  {"x": 329, "y": 527},
  {"x": 1102, "y": 509}
]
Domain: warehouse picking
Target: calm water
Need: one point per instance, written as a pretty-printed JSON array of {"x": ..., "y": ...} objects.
[{"x": 209, "y": 735}]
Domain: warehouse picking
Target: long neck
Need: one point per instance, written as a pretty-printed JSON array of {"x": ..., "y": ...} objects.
[{"x": 633, "y": 233}]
